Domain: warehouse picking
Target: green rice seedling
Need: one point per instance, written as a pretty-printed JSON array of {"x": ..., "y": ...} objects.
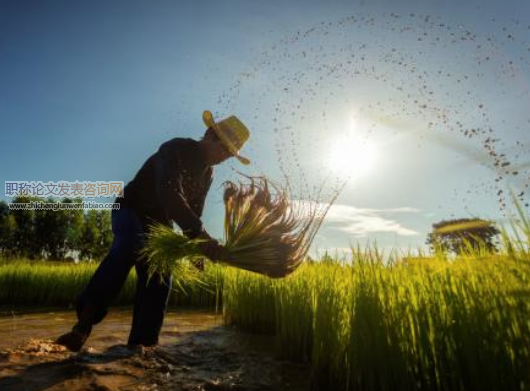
[
  {"x": 25, "y": 283},
  {"x": 434, "y": 323},
  {"x": 163, "y": 240},
  {"x": 45, "y": 283},
  {"x": 264, "y": 233}
]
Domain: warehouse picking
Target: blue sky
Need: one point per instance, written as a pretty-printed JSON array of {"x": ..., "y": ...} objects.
[{"x": 89, "y": 90}]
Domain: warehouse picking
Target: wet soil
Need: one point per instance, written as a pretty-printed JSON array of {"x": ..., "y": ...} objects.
[{"x": 196, "y": 353}]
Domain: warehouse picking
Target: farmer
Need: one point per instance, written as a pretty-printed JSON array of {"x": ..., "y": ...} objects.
[{"x": 171, "y": 186}]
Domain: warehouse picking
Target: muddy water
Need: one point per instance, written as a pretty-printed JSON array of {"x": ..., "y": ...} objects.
[
  {"x": 17, "y": 327},
  {"x": 196, "y": 353}
]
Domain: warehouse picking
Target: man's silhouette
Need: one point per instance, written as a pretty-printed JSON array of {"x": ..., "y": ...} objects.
[{"x": 171, "y": 186}]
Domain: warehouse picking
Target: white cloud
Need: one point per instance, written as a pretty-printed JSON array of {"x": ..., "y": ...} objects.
[{"x": 363, "y": 221}]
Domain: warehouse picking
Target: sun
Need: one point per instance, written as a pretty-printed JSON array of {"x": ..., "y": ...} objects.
[{"x": 351, "y": 156}]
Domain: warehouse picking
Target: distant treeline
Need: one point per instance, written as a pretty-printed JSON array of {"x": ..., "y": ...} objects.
[{"x": 54, "y": 234}]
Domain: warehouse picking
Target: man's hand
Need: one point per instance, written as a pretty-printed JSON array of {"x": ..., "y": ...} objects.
[
  {"x": 214, "y": 251},
  {"x": 198, "y": 264}
]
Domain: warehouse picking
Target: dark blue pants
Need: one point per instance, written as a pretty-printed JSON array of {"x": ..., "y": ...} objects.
[{"x": 151, "y": 298}]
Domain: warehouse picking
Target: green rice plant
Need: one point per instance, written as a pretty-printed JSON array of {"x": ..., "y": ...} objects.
[
  {"x": 25, "y": 283},
  {"x": 428, "y": 323},
  {"x": 45, "y": 283},
  {"x": 264, "y": 233},
  {"x": 435, "y": 325},
  {"x": 163, "y": 240},
  {"x": 518, "y": 243}
]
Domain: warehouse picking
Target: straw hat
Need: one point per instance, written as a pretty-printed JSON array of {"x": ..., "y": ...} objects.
[{"x": 231, "y": 131}]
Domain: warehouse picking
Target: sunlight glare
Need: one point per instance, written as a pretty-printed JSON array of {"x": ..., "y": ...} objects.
[{"x": 351, "y": 156}]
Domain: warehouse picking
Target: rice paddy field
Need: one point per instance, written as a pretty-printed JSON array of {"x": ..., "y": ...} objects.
[
  {"x": 423, "y": 323},
  {"x": 429, "y": 325},
  {"x": 26, "y": 283}
]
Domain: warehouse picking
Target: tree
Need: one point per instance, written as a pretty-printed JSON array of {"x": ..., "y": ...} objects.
[
  {"x": 24, "y": 243},
  {"x": 459, "y": 235},
  {"x": 96, "y": 238},
  {"x": 75, "y": 219},
  {"x": 58, "y": 234},
  {"x": 51, "y": 231},
  {"x": 104, "y": 225},
  {"x": 90, "y": 237},
  {"x": 8, "y": 228}
]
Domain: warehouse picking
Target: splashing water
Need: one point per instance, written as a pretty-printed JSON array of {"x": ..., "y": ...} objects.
[{"x": 400, "y": 75}]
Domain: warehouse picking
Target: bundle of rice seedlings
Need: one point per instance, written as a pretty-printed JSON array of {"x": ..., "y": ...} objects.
[
  {"x": 167, "y": 252},
  {"x": 264, "y": 231}
]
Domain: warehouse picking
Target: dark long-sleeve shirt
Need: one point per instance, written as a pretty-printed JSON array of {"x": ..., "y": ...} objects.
[{"x": 171, "y": 186}]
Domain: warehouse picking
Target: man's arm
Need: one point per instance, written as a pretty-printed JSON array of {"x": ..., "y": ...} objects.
[
  {"x": 170, "y": 194},
  {"x": 172, "y": 199},
  {"x": 198, "y": 206}
]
